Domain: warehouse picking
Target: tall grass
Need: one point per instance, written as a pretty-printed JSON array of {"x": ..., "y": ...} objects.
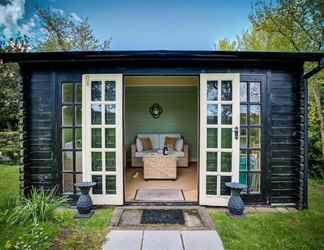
[{"x": 39, "y": 207}]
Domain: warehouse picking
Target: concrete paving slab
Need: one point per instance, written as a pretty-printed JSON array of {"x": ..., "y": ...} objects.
[
  {"x": 162, "y": 240},
  {"x": 123, "y": 240},
  {"x": 266, "y": 210},
  {"x": 282, "y": 210},
  {"x": 202, "y": 240}
]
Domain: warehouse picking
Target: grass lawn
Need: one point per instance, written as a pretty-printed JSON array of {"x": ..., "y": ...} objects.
[
  {"x": 63, "y": 233},
  {"x": 299, "y": 230}
]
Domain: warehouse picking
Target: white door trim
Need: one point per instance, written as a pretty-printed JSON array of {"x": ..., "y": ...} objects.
[
  {"x": 103, "y": 199},
  {"x": 218, "y": 199}
]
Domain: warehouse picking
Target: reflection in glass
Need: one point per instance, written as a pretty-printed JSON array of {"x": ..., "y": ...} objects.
[
  {"x": 226, "y": 111},
  {"x": 78, "y": 179},
  {"x": 243, "y": 138},
  {"x": 96, "y": 161},
  {"x": 212, "y": 90},
  {"x": 211, "y": 161},
  {"x": 96, "y": 137},
  {"x": 243, "y": 92},
  {"x": 110, "y": 138},
  {"x": 243, "y": 178},
  {"x": 67, "y": 138},
  {"x": 211, "y": 185},
  {"x": 226, "y": 162},
  {"x": 211, "y": 137},
  {"x": 254, "y": 134},
  {"x": 67, "y": 116},
  {"x": 96, "y": 114},
  {"x": 97, "y": 189},
  {"x": 255, "y": 94},
  {"x": 243, "y": 114},
  {"x": 78, "y": 92},
  {"x": 226, "y": 138},
  {"x": 67, "y": 92},
  {"x": 255, "y": 111},
  {"x": 254, "y": 160},
  {"x": 212, "y": 114},
  {"x": 110, "y": 184},
  {"x": 78, "y": 138},
  {"x": 110, "y": 161},
  {"x": 226, "y": 91},
  {"x": 67, "y": 161},
  {"x": 225, "y": 190},
  {"x": 78, "y": 161},
  {"x": 95, "y": 91},
  {"x": 67, "y": 183},
  {"x": 243, "y": 161},
  {"x": 78, "y": 115},
  {"x": 110, "y": 114},
  {"x": 110, "y": 90},
  {"x": 254, "y": 182}
]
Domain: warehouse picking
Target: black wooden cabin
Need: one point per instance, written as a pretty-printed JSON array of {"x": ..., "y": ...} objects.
[{"x": 281, "y": 175}]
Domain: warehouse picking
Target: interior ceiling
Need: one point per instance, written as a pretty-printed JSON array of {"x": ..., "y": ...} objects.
[{"x": 161, "y": 81}]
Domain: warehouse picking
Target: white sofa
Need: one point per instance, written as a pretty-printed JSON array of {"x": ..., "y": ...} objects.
[{"x": 158, "y": 144}]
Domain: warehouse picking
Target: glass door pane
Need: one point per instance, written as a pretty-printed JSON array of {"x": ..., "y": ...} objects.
[
  {"x": 104, "y": 142},
  {"x": 219, "y": 146}
]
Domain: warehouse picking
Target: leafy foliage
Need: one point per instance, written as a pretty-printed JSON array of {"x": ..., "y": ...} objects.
[
  {"x": 63, "y": 33},
  {"x": 290, "y": 25},
  {"x": 9, "y": 147},
  {"x": 39, "y": 207}
]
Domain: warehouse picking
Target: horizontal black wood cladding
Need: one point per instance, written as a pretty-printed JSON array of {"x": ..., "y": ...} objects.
[
  {"x": 285, "y": 137},
  {"x": 285, "y": 122},
  {"x": 40, "y": 134}
]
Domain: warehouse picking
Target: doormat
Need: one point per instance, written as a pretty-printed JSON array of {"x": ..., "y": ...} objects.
[
  {"x": 162, "y": 216},
  {"x": 159, "y": 195}
]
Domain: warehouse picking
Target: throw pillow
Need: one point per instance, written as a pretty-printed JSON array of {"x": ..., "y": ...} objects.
[
  {"x": 147, "y": 144},
  {"x": 139, "y": 145},
  {"x": 179, "y": 145},
  {"x": 170, "y": 142}
]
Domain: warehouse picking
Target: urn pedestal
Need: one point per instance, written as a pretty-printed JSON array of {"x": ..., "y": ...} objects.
[
  {"x": 84, "y": 203},
  {"x": 235, "y": 203}
]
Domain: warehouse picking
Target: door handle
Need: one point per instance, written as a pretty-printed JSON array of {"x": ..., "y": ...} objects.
[{"x": 236, "y": 132}]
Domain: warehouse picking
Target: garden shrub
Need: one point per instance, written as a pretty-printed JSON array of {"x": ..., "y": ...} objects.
[
  {"x": 39, "y": 207},
  {"x": 9, "y": 147}
]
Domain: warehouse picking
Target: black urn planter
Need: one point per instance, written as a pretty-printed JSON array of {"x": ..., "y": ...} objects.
[
  {"x": 84, "y": 203},
  {"x": 235, "y": 203}
]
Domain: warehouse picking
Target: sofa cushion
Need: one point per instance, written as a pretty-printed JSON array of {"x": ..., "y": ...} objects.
[
  {"x": 162, "y": 138},
  {"x": 147, "y": 144},
  {"x": 179, "y": 145},
  {"x": 155, "y": 139},
  {"x": 139, "y": 145},
  {"x": 170, "y": 142}
]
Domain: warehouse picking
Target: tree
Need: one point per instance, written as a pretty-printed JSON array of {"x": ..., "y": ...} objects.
[
  {"x": 63, "y": 33},
  {"x": 9, "y": 79},
  {"x": 291, "y": 25}
]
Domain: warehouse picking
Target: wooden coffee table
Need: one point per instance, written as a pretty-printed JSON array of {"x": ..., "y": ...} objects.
[{"x": 159, "y": 166}]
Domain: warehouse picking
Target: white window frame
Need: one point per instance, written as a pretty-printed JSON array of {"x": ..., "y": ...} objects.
[
  {"x": 103, "y": 199},
  {"x": 218, "y": 200}
]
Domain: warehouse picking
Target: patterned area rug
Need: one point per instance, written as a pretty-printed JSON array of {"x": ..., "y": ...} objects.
[{"x": 159, "y": 195}]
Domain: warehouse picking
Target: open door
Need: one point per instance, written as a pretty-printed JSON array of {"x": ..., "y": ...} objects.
[
  {"x": 102, "y": 136},
  {"x": 219, "y": 136}
]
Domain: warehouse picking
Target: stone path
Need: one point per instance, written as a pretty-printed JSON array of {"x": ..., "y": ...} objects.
[{"x": 162, "y": 240}]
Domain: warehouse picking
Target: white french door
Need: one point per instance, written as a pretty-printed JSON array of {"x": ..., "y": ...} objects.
[
  {"x": 219, "y": 136},
  {"x": 102, "y": 136}
]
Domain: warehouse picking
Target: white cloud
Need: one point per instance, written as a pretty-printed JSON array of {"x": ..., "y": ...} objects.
[{"x": 11, "y": 13}]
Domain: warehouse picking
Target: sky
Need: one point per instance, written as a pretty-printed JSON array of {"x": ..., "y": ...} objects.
[{"x": 139, "y": 24}]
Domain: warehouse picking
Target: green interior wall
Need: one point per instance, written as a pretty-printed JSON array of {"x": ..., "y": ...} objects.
[{"x": 179, "y": 113}]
